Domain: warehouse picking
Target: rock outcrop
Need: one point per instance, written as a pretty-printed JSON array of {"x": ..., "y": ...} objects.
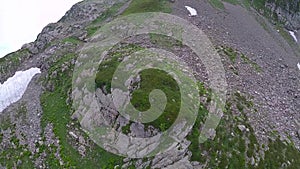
[{"x": 287, "y": 12}]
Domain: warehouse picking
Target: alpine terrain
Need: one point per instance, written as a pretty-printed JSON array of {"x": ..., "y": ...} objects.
[{"x": 257, "y": 42}]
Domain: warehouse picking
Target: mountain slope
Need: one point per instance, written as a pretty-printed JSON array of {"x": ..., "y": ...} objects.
[{"x": 259, "y": 128}]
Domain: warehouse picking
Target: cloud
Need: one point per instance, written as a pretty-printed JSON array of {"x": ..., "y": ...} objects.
[{"x": 22, "y": 21}]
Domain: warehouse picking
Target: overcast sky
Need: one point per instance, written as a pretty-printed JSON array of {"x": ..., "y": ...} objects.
[{"x": 22, "y": 20}]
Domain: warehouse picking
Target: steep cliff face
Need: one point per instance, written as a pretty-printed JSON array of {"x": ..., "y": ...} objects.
[{"x": 285, "y": 11}]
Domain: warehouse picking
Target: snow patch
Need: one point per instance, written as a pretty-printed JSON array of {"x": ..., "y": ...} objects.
[
  {"x": 13, "y": 89},
  {"x": 293, "y": 35},
  {"x": 192, "y": 11},
  {"x": 298, "y": 65}
]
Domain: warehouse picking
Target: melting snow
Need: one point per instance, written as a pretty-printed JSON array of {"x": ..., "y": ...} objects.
[
  {"x": 13, "y": 89},
  {"x": 298, "y": 66},
  {"x": 192, "y": 11},
  {"x": 293, "y": 35}
]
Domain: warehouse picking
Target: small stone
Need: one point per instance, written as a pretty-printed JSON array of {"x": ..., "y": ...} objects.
[
  {"x": 252, "y": 161},
  {"x": 41, "y": 142},
  {"x": 73, "y": 135},
  {"x": 19, "y": 162},
  {"x": 212, "y": 133},
  {"x": 125, "y": 160},
  {"x": 242, "y": 128}
]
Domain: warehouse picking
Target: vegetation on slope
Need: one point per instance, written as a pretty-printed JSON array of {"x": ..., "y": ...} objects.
[
  {"x": 150, "y": 79},
  {"x": 12, "y": 61},
  {"x": 57, "y": 111},
  {"x": 138, "y": 6},
  {"x": 235, "y": 144}
]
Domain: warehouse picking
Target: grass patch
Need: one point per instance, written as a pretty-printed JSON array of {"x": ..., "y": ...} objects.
[
  {"x": 5, "y": 123},
  {"x": 246, "y": 4},
  {"x": 157, "y": 79},
  {"x": 136, "y": 6},
  {"x": 233, "y": 2},
  {"x": 250, "y": 62},
  {"x": 73, "y": 40},
  {"x": 91, "y": 31},
  {"x": 139, "y": 6},
  {"x": 126, "y": 129},
  {"x": 13, "y": 60},
  {"x": 217, "y": 4},
  {"x": 234, "y": 55},
  {"x": 228, "y": 51},
  {"x": 108, "y": 13},
  {"x": 259, "y": 4}
]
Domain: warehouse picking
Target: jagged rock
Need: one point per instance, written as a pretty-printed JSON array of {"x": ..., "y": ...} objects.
[
  {"x": 81, "y": 150},
  {"x": 183, "y": 163},
  {"x": 195, "y": 163},
  {"x": 211, "y": 133},
  {"x": 172, "y": 156},
  {"x": 252, "y": 161},
  {"x": 137, "y": 130},
  {"x": 81, "y": 140}
]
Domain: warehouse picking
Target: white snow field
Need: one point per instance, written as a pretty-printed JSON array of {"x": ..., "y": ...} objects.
[
  {"x": 13, "y": 89},
  {"x": 192, "y": 11}
]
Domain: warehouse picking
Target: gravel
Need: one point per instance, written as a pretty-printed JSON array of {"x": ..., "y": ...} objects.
[{"x": 276, "y": 89}]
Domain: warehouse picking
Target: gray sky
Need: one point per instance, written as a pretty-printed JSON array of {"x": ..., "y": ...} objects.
[{"x": 22, "y": 20}]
